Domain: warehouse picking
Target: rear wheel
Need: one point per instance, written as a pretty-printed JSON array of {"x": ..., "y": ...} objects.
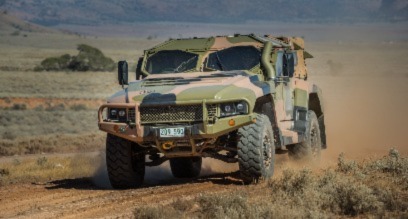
[
  {"x": 186, "y": 167},
  {"x": 256, "y": 150},
  {"x": 310, "y": 148},
  {"x": 126, "y": 167}
]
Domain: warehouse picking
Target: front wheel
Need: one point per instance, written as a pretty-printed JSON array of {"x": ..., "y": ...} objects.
[
  {"x": 186, "y": 167},
  {"x": 256, "y": 150},
  {"x": 126, "y": 169}
]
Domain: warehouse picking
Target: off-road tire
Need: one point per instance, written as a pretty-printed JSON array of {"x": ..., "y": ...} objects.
[
  {"x": 186, "y": 167},
  {"x": 310, "y": 148},
  {"x": 126, "y": 169},
  {"x": 256, "y": 150}
]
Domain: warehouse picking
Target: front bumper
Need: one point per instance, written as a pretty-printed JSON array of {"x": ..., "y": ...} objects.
[{"x": 142, "y": 133}]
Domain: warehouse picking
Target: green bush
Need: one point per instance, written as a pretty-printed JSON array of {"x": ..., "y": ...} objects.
[
  {"x": 88, "y": 59},
  {"x": 56, "y": 63}
]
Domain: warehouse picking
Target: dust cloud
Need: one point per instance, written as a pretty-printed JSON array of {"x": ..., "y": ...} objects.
[
  {"x": 365, "y": 91},
  {"x": 162, "y": 174},
  {"x": 100, "y": 177}
]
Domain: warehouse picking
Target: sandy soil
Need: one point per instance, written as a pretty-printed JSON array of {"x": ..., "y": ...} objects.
[
  {"x": 92, "y": 196},
  {"x": 78, "y": 198}
]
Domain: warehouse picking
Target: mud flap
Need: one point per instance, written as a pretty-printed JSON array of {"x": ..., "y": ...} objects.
[{"x": 300, "y": 121}]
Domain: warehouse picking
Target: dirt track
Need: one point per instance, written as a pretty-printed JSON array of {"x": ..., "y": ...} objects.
[
  {"x": 91, "y": 197},
  {"x": 79, "y": 198}
]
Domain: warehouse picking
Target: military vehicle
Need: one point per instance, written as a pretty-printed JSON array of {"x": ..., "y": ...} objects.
[{"x": 238, "y": 98}]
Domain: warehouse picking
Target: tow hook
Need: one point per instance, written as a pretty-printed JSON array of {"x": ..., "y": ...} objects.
[{"x": 167, "y": 145}]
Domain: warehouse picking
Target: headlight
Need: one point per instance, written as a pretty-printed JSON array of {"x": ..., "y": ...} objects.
[
  {"x": 232, "y": 109},
  {"x": 122, "y": 113},
  {"x": 113, "y": 112},
  {"x": 117, "y": 114}
]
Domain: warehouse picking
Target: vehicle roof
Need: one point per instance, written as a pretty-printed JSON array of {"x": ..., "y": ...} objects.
[{"x": 204, "y": 44}]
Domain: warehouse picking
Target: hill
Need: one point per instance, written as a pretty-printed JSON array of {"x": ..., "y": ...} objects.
[
  {"x": 10, "y": 23},
  {"x": 93, "y": 12}
]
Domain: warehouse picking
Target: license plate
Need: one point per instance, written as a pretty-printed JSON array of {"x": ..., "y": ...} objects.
[{"x": 172, "y": 132}]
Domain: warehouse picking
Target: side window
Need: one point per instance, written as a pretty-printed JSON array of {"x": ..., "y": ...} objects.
[
  {"x": 279, "y": 64},
  {"x": 289, "y": 63}
]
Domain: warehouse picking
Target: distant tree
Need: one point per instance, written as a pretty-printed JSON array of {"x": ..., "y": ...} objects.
[
  {"x": 91, "y": 59},
  {"x": 88, "y": 59}
]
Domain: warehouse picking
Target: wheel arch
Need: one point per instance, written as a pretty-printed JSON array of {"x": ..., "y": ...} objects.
[
  {"x": 265, "y": 105},
  {"x": 316, "y": 104}
]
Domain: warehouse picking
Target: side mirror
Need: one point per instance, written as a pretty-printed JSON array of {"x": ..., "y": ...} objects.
[{"x": 123, "y": 73}]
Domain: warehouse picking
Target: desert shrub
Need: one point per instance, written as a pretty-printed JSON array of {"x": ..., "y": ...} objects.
[
  {"x": 42, "y": 161},
  {"x": 16, "y": 162},
  {"x": 391, "y": 198},
  {"x": 88, "y": 59},
  {"x": 78, "y": 107},
  {"x": 156, "y": 212},
  {"x": 4, "y": 172},
  {"x": 339, "y": 191},
  {"x": 182, "y": 205},
  {"x": 296, "y": 182},
  {"x": 352, "y": 198},
  {"x": 211, "y": 206},
  {"x": 222, "y": 206},
  {"x": 393, "y": 164},
  {"x": 346, "y": 166},
  {"x": 17, "y": 106}
]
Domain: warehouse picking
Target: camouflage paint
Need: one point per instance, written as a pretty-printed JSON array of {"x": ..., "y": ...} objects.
[{"x": 215, "y": 87}]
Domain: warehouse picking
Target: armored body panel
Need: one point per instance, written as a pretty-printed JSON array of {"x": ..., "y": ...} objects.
[{"x": 197, "y": 98}]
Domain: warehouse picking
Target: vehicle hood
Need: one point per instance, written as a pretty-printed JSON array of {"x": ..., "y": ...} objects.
[{"x": 184, "y": 87}]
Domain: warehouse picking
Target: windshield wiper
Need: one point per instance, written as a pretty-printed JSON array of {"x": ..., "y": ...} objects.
[{"x": 184, "y": 64}]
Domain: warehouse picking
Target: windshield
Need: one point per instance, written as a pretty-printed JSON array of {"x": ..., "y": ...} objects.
[
  {"x": 234, "y": 58},
  {"x": 171, "y": 61}
]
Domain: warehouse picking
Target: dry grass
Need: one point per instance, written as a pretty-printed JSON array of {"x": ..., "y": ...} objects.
[
  {"x": 43, "y": 169},
  {"x": 49, "y": 131},
  {"x": 57, "y": 143},
  {"x": 375, "y": 188},
  {"x": 58, "y": 84}
]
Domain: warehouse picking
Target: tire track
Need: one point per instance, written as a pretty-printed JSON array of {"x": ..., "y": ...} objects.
[{"x": 47, "y": 201}]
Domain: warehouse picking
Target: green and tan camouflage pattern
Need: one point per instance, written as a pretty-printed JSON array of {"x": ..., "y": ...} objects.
[{"x": 215, "y": 87}]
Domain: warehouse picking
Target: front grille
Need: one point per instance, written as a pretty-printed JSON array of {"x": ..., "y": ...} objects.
[
  {"x": 131, "y": 114},
  {"x": 178, "y": 113},
  {"x": 212, "y": 111}
]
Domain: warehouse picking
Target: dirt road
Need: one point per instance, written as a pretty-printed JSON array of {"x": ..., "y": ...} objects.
[
  {"x": 91, "y": 197},
  {"x": 80, "y": 198}
]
